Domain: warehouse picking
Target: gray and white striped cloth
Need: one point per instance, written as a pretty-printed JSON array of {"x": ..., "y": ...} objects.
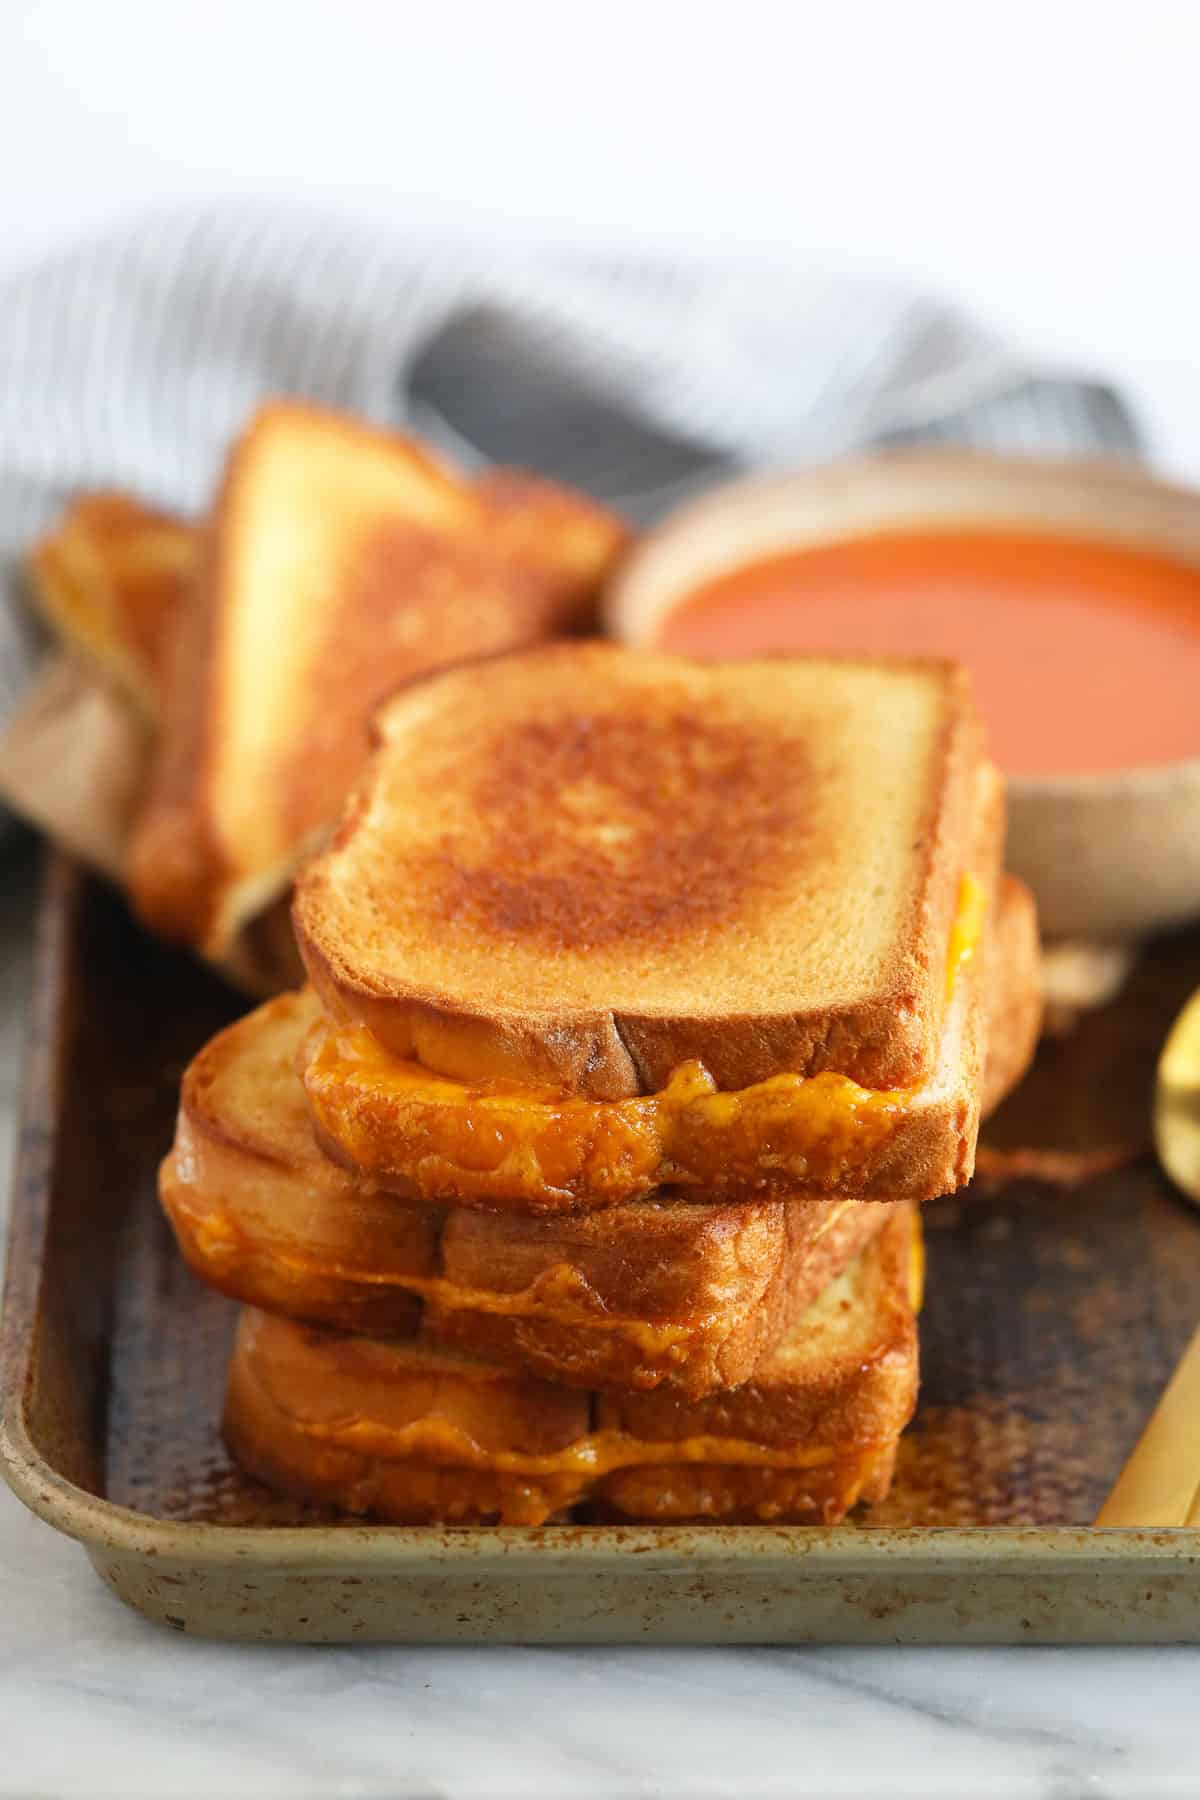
[{"x": 131, "y": 361}]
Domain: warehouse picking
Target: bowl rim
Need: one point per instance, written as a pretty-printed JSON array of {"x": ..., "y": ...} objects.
[{"x": 1092, "y": 783}]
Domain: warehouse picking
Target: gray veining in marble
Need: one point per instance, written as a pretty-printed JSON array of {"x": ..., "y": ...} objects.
[{"x": 96, "y": 1703}]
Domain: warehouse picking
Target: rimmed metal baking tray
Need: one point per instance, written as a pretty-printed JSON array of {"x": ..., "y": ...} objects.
[{"x": 1053, "y": 1319}]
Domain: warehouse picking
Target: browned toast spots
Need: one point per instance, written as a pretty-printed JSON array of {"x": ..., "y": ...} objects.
[
  {"x": 583, "y": 867},
  {"x": 411, "y": 1434},
  {"x": 339, "y": 561},
  {"x": 110, "y": 578},
  {"x": 503, "y": 1141}
]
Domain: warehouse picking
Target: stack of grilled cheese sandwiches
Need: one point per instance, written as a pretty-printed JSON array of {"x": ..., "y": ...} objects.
[{"x": 646, "y": 1002}]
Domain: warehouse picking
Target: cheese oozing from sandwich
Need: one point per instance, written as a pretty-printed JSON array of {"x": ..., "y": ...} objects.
[{"x": 503, "y": 1140}]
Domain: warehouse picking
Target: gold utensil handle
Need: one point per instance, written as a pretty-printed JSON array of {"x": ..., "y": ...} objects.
[
  {"x": 1177, "y": 1102},
  {"x": 1160, "y": 1484}
]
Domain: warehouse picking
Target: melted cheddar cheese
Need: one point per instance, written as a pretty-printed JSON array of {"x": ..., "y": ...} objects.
[
  {"x": 598, "y": 1453},
  {"x": 502, "y": 1142},
  {"x": 403, "y": 1428},
  {"x": 226, "y": 1250},
  {"x": 315, "y": 1410},
  {"x": 966, "y": 933},
  {"x": 356, "y": 1395}
]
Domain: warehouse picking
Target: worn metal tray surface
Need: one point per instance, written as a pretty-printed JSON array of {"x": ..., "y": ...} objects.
[{"x": 1052, "y": 1320}]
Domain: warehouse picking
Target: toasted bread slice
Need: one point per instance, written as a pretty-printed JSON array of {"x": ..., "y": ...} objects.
[
  {"x": 742, "y": 1274},
  {"x": 340, "y": 561},
  {"x": 1014, "y": 990},
  {"x": 847, "y": 1378},
  {"x": 663, "y": 1288},
  {"x": 110, "y": 579},
  {"x": 505, "y": 1143},
  {"x": 410, "y": 1433},
  {"x": 415, "y": 1435},
  {"x": 261, "y": 1215},
  {"x": 584, "y": 867}
]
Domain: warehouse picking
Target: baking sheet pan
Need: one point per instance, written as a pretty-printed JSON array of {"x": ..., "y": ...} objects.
[{"x": 1052, "y": 1321}]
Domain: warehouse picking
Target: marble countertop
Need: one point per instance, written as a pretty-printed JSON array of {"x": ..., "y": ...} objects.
[{"x": 96, "y": 1702}]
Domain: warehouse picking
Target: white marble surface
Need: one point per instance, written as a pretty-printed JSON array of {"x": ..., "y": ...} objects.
[{"x": 95, "y": 1702}]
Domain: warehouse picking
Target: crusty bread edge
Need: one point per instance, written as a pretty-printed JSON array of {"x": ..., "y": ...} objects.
[
  {"x": 1014, "y": 993},
  {"x": 181, "y": 877},
  {"x": 176, "y": 863}
]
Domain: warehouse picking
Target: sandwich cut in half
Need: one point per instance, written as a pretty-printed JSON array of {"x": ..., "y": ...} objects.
[
  {"x": 595, "y": 923},
  {"x": 339, "y": 561},
  {"x": 76, "y": 754},
  {"x": 416, "y": 1434},
  {"x": 110, "y": 579},
  {"x": 672, "y": 1286}
]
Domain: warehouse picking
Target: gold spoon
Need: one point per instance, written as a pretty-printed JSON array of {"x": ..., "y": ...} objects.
[
  {"x": 1160, "y": 1484},
  {"x": 1177, "y": 1102}
]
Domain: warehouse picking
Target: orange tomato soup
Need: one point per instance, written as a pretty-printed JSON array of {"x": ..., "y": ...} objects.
[{"x": 1085, "y": 655}]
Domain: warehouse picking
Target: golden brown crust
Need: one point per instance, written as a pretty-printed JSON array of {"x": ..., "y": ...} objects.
[
  {"x": 621, "y": 862},
  {"x": 410, "y": 1433},
  {"x": 556, "y": 532},
  {"x": 495, "y": 1144},
  {"x": 109, "y": 577},
  {"x": 268, "y": 1437},
  {"x": 265, "y": 1218},
  {"x": 752, "y": 1306},
  {"x": 665, "y": 1288},
  {"x": 1014, "y": 992},
  {"x": 339, "y": 562},
  {"x": 850, "y": 1378},
  {"x": 500, "y": 1147}
]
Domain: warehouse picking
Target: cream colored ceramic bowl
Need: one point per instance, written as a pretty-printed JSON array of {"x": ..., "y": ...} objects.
[{"x": 1113, "y": 855}]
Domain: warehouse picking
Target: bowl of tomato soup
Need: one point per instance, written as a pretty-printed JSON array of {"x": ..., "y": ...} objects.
[{"x": 1071, "y": 591}]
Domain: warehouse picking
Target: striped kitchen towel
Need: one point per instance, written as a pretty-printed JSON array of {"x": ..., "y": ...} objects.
[{"x": 130, "y": 362}]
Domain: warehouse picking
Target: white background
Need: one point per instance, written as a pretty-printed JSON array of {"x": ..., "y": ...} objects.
[{"x": 1038, "y": 161}]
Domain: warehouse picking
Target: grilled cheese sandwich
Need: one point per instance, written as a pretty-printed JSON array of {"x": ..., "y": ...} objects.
[
  {"x": 110, "y": 579},
  {"x": 411, "y": 1433},
  {"x": 579, "y": 868},
  {"x": 463, "y": 948},
  {"x": 339, "y": 562},
  {"x": 689, "y": 1290}
]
